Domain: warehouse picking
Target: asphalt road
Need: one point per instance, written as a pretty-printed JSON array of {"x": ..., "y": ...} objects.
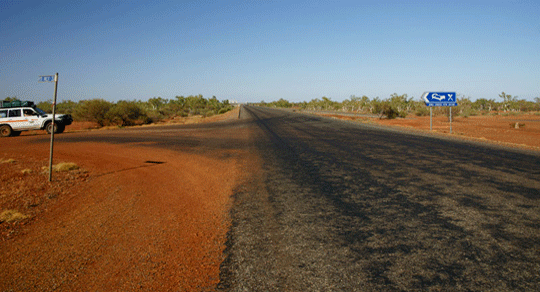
[
  {"x": 350, "y": 207},
  {"x": 340, "y": 206}
]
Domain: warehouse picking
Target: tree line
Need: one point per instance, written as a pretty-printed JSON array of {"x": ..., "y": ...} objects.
[
  {"x": 128, "y": 113},
  {"x": 402, "y": 105}
]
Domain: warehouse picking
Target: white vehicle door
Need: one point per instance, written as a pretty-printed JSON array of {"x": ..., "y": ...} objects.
[
  {"x": 32, "y": 118},
  {"x": 16, "y": 120}
]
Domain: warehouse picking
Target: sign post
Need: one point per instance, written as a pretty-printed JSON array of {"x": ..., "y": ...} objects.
[
  {"x": 51, "y": 78},
  {"x": 439, "y": 99}
]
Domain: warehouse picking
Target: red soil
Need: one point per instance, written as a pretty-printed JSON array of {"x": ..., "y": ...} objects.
[
  {"x": 118, "y": 223},
  {"x": 498, "y": 129}
]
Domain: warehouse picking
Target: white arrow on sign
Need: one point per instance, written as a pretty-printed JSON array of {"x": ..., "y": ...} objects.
[{"x": 438, "y": 97}]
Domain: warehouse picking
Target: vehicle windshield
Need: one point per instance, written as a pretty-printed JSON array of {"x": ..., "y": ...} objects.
[{"x": 40, "y": 111}]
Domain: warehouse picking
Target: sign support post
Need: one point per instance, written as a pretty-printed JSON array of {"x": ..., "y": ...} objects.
[
  {"x": 450, "y": 120},
  {"x": 53, "y": 126},
  {"x": 53, "y": 123},
  {"x": 431, "y": 118}
]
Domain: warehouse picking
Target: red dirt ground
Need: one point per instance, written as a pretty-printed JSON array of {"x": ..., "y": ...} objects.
[
  {"x": 118, "y": 223},
  {"x": 499, "y": 129}
]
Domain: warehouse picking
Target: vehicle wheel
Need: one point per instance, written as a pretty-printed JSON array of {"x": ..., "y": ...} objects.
[
  {"x": 5, "y": 131},
  {"x": 49, "y": 126},
  {"x": 61, "y": 128}
]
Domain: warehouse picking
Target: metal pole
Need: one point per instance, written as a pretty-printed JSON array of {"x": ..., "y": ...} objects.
[
  {"x": 450, "y": 120},
  {"x": 431, "y": 118},
  {"x": 53, "y": 124}
]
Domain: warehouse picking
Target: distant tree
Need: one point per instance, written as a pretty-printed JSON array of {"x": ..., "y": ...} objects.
[
  {"x": 483, "y": 104},
  {"x": 374, "y": 105},
  {"x": 363, "y": 103},
  {"x": 45, "y": 106},
  {"x": 127, "y": 113},
  {"x": 94, "y": 110},
  {"x": 385, "y": 108},
  {"x": 401, "y": 104},
  {"x": 283, "y": 103},
  {"x": 328, "y": 104},
  {"x": 66, "y": 107},
  {"x": 214, "y": 104},
  {"x": 508, "y": 101},
  {"x": 465, "y": 106},
  {"x": 13, "y": 98},
  {"x": 157, "y": 102}
]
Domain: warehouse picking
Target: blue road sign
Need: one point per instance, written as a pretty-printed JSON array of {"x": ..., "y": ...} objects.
[
  {"x": 440, "y": 98},
  {"x": 49, "y": 78}
]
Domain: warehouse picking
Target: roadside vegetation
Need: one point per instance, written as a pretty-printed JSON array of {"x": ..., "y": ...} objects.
[
  {"x": 11, "y": 215},
  {"x": 403, "y": 105},
  {"x": 129, "y": 113},
  {"x": 65, "y": 166}
]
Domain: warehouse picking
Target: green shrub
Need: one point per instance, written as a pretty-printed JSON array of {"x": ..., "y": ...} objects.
[
  {"x": 46, "y": 106},
  {"x": 127, "y": 113},
  {"x": 389, "y": 111},
  {"x": 224, "y": 110},
  {"x": 469, "y": 112},
  {"x": 94, "y": 110},
  {"x": 403, "y": 114}
]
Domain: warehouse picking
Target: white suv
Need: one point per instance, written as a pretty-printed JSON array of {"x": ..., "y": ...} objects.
[{"x": 14, "y": 119}]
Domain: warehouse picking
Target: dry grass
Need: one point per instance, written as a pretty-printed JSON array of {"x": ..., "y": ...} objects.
[
  {"x": 65, "y": 166},
  {"x": 8, "y": 160},
  {"x": 62, "y": 167},
  {"x": 26, "y": 171},
  {"x": 11, "y": 215}
]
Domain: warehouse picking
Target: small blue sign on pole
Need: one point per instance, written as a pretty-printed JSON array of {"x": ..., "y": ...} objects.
[
  {"x": 440, "y": 98},
  {"x": 48, "y": 78}
]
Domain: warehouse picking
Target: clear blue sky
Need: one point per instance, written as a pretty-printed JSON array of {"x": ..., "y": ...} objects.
[{"x": 266, "y": 50}]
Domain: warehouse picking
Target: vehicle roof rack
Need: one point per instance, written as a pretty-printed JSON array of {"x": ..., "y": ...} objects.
[{"x": 15, "y": 103}]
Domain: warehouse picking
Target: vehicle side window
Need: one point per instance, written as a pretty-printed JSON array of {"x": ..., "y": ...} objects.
[
  {"x": 15, "y": 113},
  {"x": 3, "y": 114}
]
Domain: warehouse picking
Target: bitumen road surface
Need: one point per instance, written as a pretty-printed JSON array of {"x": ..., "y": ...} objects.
[{"x": 353, "y": 207}]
